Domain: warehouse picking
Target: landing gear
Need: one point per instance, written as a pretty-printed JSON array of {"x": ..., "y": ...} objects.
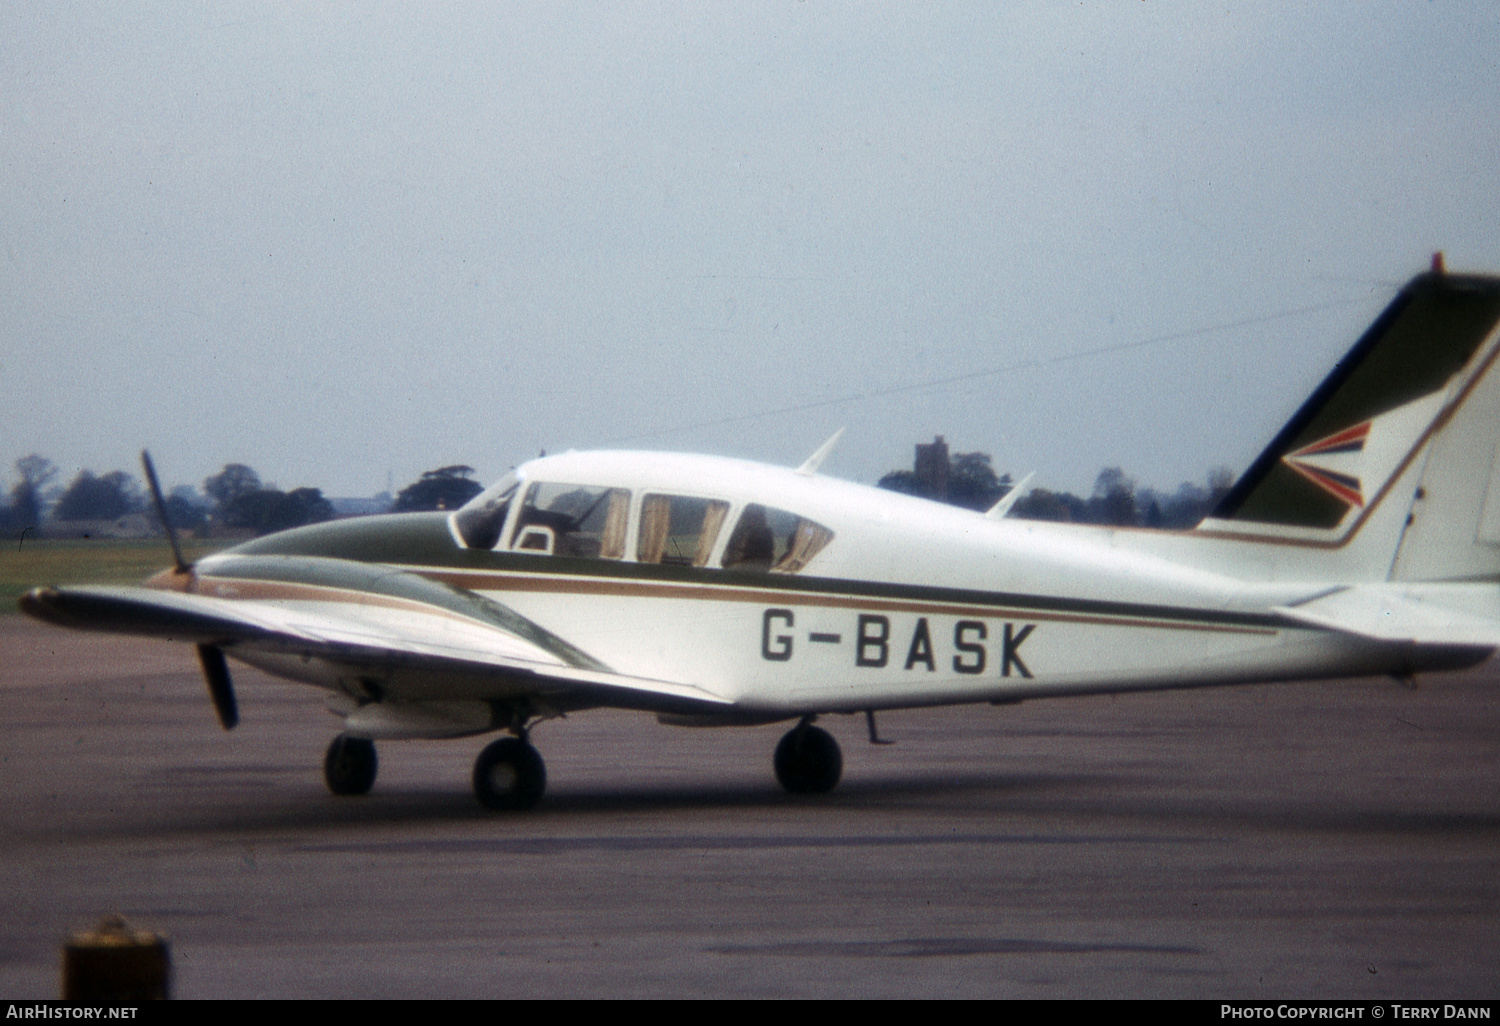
[
  {"x": 808, "y": 760},
  {"x": 349, "y": 767},
  {"x": 509, "y": 775}
]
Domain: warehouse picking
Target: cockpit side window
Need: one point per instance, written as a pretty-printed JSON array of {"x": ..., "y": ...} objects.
[
  {"x": 480, "y": 521},
  {"x": 773, "y": 539},
  {"x": 583, "y": 521},
  {"x": 680, "y": 530}
]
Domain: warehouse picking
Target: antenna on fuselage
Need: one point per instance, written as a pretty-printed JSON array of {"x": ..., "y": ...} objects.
[
  {"x": 999, "y": 509},
  {"x": 812, "y": 463}
]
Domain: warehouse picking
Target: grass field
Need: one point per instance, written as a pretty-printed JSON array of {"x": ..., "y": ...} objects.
[{"x": 28, "y": 563}]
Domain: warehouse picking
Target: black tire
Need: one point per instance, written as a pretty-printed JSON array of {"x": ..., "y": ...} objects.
[
  {"x": 509, "y": 776},
  {"x": 350, "y": 765},
  {"x": 808, "y": 761}
]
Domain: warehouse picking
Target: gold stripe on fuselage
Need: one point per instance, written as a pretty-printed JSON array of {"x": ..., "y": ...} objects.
[{"x": 513, "y": 581}]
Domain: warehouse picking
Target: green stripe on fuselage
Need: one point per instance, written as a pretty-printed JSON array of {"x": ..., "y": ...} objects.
[
  {"x": 393, "y": 538},
  {"x": 423, "y": 543}
]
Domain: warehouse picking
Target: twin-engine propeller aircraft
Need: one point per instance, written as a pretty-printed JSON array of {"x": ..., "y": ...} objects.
[{"x": 714, "y": 592}]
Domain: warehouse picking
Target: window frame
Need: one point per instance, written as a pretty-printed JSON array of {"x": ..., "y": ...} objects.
[
  {"x": 516, "y": 530},
  {"x": 702, "y": 559}
]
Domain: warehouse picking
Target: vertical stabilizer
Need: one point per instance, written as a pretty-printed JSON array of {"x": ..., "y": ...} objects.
[{"x": 1395, "y": 450}]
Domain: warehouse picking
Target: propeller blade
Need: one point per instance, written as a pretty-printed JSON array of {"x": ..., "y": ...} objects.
[
  {"x": 161, "y": 514},
  {"x": 216, "y": 672}
]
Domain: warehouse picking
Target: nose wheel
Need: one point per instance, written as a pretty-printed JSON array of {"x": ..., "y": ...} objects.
[
  {"x": 808, "y": 760},
  {"x": 349, "y": 767},
  {"x": 509, "y": 775}
]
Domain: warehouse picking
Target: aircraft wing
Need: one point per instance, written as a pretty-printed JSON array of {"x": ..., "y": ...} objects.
[
  {"x": 355, "y": 634},
  {"x": 1424, "y": 614}
]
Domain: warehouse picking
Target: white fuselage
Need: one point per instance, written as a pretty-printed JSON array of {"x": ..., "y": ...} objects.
[{"x": 911, "y": 603}]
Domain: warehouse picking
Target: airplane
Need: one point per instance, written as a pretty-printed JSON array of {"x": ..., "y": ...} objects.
[{"x": 714, "y": 592}]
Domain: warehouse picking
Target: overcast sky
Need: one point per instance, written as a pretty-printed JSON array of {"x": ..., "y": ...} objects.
[{"x": 341, "y": 241}]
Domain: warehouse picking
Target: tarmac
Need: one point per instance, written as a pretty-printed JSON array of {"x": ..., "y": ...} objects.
[{"x": 1317, "y": 840}]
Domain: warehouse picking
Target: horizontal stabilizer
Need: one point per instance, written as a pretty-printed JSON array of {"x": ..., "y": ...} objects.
[{"x": 1432, "y": 615}]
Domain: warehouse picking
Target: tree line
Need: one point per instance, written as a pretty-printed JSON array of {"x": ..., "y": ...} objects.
[
  {"x": 235, "y": 500},
  {"x": 969, "y": 480}
]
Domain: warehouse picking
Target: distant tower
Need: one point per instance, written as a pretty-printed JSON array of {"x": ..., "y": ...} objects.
[{"x": 931, "y": 467}]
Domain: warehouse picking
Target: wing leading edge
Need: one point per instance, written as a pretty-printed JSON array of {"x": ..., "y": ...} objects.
[{"x": 380, "y": 637}]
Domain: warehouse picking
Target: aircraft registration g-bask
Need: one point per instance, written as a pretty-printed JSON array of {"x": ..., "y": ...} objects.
[{"x": 715, "y": 592}]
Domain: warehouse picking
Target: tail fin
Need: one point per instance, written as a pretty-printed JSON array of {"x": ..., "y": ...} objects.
[{"x": 1391, "y": 467}]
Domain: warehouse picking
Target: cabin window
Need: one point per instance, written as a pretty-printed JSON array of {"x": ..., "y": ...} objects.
[
  {"x": 573, "y": 520},
  {"x": 773, "y": 539},
  {"x": 679, "y": 530},
  {"x": 480, "y": 520}
]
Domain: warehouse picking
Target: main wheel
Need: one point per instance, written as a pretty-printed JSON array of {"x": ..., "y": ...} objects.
[
  {"x": 509, "y": 775},
  {"x": 808, "y": 761},
  {"x": 349, "y": 767}
]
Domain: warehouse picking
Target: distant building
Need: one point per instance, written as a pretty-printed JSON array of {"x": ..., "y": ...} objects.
[{"x": 931, "y": 467}]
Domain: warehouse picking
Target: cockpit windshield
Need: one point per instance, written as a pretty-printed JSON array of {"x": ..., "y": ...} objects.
[{"x": 480, "y": 520}]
